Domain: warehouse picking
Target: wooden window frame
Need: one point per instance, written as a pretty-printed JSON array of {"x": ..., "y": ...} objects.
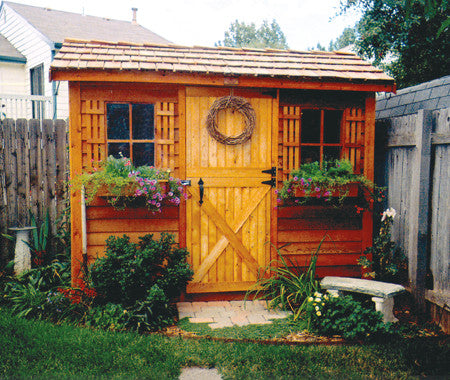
[
  {"x": 321, "y": 143},
  {"x": 131, "y": 141}
]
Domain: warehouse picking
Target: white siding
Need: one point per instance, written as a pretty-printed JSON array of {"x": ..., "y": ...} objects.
[
  {"x": 35, "y": 47},
  {"x": 13, "y": 78},
  {"x": 62, "y": 100}
]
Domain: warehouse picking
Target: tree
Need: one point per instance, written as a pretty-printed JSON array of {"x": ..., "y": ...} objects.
[
  {"x": 408, "y": 32},
  {"x": 267, "y": 35},
  {"x": 348, "y": 37}
]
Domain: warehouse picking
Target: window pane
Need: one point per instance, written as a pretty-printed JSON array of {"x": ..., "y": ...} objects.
[
  {"x": 310, "y": 154},
  {"x": 143, "y": 121},
  {"x": 310, "y": 126},
  {"x": 118, "y": 121},
  {"x": 331, "y": 153},
  {"x": 115, "y": 148},
  {"x": 143, "y": 154},
  {"x": 332, "y": 127}
]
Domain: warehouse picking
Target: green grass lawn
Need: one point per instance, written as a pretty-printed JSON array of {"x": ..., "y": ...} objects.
[{"x": 37, "y": 349}]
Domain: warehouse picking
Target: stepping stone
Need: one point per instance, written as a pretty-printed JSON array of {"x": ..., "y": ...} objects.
[{"x": 198, "y": 373}]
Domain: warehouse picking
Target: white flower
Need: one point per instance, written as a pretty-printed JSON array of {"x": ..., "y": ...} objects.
[
  {"x": 310, "y": 299},
  {"x": 317, "y": 294},
  {"x": 318, "y": 300},
  {"x": 389, "y": 213},
  {"x": 335, "y": 295},
  {"x": 317, "y": 308}
]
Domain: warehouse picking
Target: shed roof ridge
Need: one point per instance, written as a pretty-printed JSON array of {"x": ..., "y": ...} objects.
[{"x": 284, "y": 52}]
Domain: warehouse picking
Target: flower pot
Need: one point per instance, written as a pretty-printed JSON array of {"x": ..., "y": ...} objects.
[{"x": 349, "y": 190}]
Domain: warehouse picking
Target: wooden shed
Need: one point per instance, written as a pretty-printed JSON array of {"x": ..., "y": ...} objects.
[{"x": 237, "y": 226}]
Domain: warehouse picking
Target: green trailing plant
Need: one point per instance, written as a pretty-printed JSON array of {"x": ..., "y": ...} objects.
[
  {"x": 145, "y": 278},
  {"x": 128, "y": 186},
  {"x": 387, "y": 263},
  {"x": 342, "y": 315},
  {"x": 287, "y": 285},
  {"x": 329, "y": 182}
]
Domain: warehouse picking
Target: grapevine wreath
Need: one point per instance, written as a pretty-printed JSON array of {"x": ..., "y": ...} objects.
[{"x": 235, "y": 103}]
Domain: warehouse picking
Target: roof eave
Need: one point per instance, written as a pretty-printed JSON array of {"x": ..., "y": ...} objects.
[
  {"x": 4, "y": 58},
  {"x": 74, "y": 75}
]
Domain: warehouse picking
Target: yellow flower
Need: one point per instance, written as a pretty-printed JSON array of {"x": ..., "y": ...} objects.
[
  {"x": 310, "y": 299},
  {"x": 319, "y": 313}
]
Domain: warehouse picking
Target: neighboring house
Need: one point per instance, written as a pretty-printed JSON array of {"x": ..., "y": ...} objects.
[
  {"x": 29, "y": 39},
  {"x": 433, "y": 95}
]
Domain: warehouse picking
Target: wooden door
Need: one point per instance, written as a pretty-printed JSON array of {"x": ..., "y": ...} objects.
[{"x": 228, "y": 235}]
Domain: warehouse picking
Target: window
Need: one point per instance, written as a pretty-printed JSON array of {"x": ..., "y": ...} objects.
[
  {"x": 131, "y": 132},
  {"x": 37, "y": 88},
  {"x": 320, "y": 135}
]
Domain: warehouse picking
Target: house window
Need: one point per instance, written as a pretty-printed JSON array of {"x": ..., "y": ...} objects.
[
  {"x": 131, "y": 132},
  {"x": 320, "y": 135},
  {"x": 37, "y": 88}
]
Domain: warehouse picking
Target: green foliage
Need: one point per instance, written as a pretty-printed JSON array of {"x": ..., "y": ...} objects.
[
  {"x": 128, "y": 186},
  {"x": 331, "y": 315},
  {"x": 412, "y": 36},
  {"x": 388, "y": 261},
  {"x": 110, "y": 316},
  {"x": 348, "y": 37},
  {"x": 35, "y": 292},
  {"x": 287, "y": 285},
  {"x": 143, "y": 277},
  {"x": 267, "y": 35},
  {"x": 328, "y": 182}
]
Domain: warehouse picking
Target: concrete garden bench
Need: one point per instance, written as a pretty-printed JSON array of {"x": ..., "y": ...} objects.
[{"x": 383, "y": 292}]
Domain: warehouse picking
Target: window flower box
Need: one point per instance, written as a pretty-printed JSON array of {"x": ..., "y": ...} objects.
[
  {"x": 125, "y": 186},
  {"x": 348, "y": 190}
]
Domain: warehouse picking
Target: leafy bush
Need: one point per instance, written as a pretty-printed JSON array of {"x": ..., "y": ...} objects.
[
  {"x": 143, "y": 278},
  {"x": 333, "y": 315},
  {"x": 388, "y": 261},
  {"x": 287, "y": 285}
]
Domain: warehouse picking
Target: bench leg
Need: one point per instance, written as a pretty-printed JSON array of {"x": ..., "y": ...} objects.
[{"x": 386, "y": 306}]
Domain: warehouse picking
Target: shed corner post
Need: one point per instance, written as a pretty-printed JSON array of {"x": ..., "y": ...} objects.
[
  {"x": 369, "y": 165},
  {"x": 75, "y": 156}
]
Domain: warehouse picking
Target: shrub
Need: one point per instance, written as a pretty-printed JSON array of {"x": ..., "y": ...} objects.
[
  {"x": 143, "y": 278},
  {"x": 287, "y": 285},
  {"x": 333, "y": 315}
]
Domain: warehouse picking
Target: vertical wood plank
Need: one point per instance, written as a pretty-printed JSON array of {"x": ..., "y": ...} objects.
[{"x": 75, "y": 170}]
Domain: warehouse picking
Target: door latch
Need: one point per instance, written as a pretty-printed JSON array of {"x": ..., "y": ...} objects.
[{"x": 202, "y": 190}]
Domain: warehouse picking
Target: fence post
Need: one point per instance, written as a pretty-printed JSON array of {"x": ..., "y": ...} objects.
[{"x": 420, "y": 193}]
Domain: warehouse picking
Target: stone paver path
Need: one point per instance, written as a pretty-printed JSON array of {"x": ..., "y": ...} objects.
[{"x": 219, "y": 314}]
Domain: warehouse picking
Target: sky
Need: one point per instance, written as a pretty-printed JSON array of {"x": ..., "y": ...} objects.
[{"x": 204, "y": 22}]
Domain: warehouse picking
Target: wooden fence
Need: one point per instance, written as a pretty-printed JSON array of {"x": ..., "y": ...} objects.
[
  {"x": 417, "y": 174},
  {"x": 33, "y": 171}
]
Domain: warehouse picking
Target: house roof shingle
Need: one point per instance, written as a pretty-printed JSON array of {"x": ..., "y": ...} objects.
[
  {"x": 58, "y": 25},
  {"x": 430, "y": 95},
  {"x": 79, "y": 54},
  {"x": 10, "y": 53}
]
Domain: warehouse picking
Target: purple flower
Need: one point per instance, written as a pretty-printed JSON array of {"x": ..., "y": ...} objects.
[{"x": 317, "y": 189}]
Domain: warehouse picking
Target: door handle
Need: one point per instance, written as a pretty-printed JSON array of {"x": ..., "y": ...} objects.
[{"x": 202, "y": 190}]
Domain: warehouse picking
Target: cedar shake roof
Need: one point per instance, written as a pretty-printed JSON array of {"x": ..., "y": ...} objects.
[
  {"x": 58, "y": 25},
  {"x": 311, "y": 65}
]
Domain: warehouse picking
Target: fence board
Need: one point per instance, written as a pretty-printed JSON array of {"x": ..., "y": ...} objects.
[
  {"x": 33, "y": 159},
  {"x": 414, "y": 143}
]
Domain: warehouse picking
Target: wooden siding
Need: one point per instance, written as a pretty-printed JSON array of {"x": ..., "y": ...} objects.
[
  {"x": 104, "y": 221},
  {"x": 88, "y": 147},
  {"x": 301, "y": 228}
]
